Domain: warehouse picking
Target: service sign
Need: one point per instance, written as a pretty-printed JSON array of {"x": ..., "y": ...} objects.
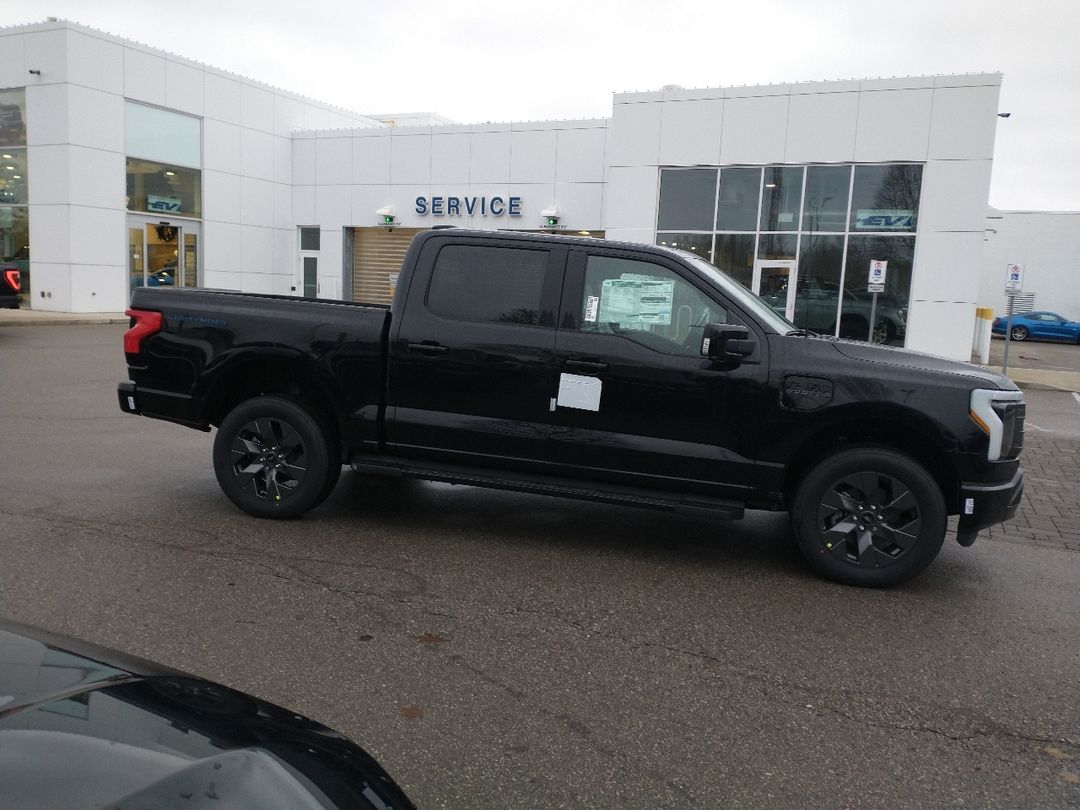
[
  {"x": 876, "y": 281},
  {"x": 1014, "y": 279}
]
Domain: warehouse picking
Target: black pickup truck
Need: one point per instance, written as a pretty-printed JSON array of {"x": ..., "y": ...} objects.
[{"x": 583, "y": 368}]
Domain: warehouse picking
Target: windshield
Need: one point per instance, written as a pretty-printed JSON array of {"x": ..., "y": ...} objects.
[{"x": 742, "y": 296}]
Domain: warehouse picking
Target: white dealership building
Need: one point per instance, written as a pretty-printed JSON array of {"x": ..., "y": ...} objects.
[{"x": 124, "y": 165}]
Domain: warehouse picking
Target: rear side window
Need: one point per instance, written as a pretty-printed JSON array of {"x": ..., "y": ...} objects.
[{"x": 488, "y": 284}]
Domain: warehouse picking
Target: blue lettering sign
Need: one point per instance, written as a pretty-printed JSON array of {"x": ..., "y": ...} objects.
[{"x": 436, "y": 206}]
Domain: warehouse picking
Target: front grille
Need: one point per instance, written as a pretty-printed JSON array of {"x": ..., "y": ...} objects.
[{"x": 1012, "y": 415}]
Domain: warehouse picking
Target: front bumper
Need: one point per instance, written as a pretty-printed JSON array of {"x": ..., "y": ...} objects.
[
  {"x": 983, "y": 505},
  {"x": 172, "y": 407}
]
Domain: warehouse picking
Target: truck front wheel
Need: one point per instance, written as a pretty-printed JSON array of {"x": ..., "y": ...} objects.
[
  {"x": 273, "y": 458},
  {"x": 869, "y": 516}
]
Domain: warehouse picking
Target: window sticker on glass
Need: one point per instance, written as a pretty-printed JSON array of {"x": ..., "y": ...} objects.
[
  {"x": 634, "y": 300},
  {"x": 592, "y": 304}
]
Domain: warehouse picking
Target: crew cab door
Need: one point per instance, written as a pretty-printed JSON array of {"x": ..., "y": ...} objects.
[
  {"x": 471, "y": 364},
  {"x": 662, "y": 415}
]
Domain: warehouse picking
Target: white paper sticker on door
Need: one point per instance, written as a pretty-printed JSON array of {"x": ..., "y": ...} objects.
[
  {"x": 592, "y": 303},
  {"x": 577, "y": 391}
]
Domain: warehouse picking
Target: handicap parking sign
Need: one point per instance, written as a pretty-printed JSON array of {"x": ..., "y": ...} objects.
[{"x": 1014, "y": 279}]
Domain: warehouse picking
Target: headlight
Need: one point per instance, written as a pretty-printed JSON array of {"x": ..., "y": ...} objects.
[
  {"x": 902, "y": 314},
  {"x": 1000, "y": 415}
]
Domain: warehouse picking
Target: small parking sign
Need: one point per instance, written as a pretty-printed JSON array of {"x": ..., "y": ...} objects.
[
  {"x": 876, "y": 282},
  {"x": 1014, "y": 279}
]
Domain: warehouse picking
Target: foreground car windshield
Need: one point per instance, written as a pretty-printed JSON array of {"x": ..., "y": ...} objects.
[{"x": 737, "y": 291}]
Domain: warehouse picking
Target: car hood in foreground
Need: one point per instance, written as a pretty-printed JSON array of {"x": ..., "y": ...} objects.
[{"x": 83, "y": 727}]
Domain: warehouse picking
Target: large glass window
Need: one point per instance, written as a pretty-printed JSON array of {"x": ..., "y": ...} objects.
[
  {"x": 157, "y": 134},
  {"x": 15, "y": 240},
  {"x": 886, "y": 198},
  {"x": 13, "y": 117},
  {"x": 777, "y": 246},
  {"x": 781, "y": 196},
  {"x": 699, "y": 243},
  {"x": 488, "y": 284},
  {"x": 13, "y": 176},
  {"x": 825, "y": 208},
  {"x": 890, "y": 317},
  {"x": 734, "y": 254},
  {"x": 817, "y": 294},
  {"x": 806, "y": 234},
  {"x": 646, "y": 303},
  {"x": 737, "y": 207},
  {"x": 14, "y": 217},
  {"x": 160, "y": 188},
  {"x": 687, "y": 199}
]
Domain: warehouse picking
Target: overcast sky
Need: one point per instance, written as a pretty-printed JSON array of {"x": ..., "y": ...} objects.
[{"x": 513, "y": 61}]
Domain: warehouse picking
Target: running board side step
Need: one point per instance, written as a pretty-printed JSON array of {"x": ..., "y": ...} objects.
[{"x": 697, "y": 505}]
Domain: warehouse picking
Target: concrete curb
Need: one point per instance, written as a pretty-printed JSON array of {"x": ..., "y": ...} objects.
[{"x": 30, "y": 318}]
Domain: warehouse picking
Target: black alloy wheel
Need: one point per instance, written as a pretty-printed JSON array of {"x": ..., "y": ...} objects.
[
  {"x": 869, "y": 519},
  {"x": 275, "y": 458},
  {"x": 1019, "y": 333},
  {"x": 869, "y": 516},
  {"x": 268, "y": 458}
]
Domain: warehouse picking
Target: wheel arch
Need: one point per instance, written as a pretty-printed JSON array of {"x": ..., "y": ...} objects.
[
  {"x": 895, "y": 433},
  {"x": 285, "y": 374}
]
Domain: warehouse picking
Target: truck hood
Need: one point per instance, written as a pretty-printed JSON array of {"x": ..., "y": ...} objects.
[
  {"x": 904, "y": 358},
  {"x": 81, "y": 726}
]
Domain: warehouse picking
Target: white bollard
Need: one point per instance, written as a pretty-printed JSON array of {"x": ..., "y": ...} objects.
[{"x": 984, "y": 319}]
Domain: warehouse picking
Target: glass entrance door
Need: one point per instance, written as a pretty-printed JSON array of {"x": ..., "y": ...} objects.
[
  {"x": 775, "y": 282},
  {"x": 162, "y": 255}
]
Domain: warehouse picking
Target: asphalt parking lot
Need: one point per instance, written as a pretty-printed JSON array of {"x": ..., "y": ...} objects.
[{"x": 503, "y": 650}]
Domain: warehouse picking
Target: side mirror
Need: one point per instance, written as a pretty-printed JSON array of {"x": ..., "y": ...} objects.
[{"x": 726, "y": 342}]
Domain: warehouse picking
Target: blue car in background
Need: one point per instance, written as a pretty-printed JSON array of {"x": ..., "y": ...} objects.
[{"x": 1039, "y": 326}]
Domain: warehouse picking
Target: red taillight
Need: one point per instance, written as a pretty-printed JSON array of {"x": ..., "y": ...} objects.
[
  {"x": 14, "y": 279},
  {"x": 146, "y": 324}
]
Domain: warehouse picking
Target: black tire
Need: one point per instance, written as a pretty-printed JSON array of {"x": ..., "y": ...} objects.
[
  {"x": 869, "y": 516},
  {"x": 273, "y": 458},
  {"x": 1019, "y": 333}
]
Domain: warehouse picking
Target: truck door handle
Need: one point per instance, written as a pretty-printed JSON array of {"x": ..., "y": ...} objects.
[
  {"x": 585, "y": 365},
  {"x": 428, "y": 348}
]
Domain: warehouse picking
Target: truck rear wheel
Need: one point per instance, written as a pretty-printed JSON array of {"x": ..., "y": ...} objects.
[
  {"x": 273, "y": 458},
  {"x": 869, "y": 516}
]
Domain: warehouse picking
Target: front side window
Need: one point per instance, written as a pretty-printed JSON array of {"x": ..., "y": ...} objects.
[
  {"x": 646, "y": 303},
  {"x": 488, "y": 284}
]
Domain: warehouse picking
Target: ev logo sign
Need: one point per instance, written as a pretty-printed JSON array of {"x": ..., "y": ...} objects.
[
  {"x": 1014, "y": 279},
  {"x": 169, "y": 205},
  {"x": 876, "y": 281}
]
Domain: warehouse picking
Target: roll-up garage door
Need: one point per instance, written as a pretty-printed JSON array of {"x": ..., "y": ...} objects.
[{"x": 377, "y": 255}]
